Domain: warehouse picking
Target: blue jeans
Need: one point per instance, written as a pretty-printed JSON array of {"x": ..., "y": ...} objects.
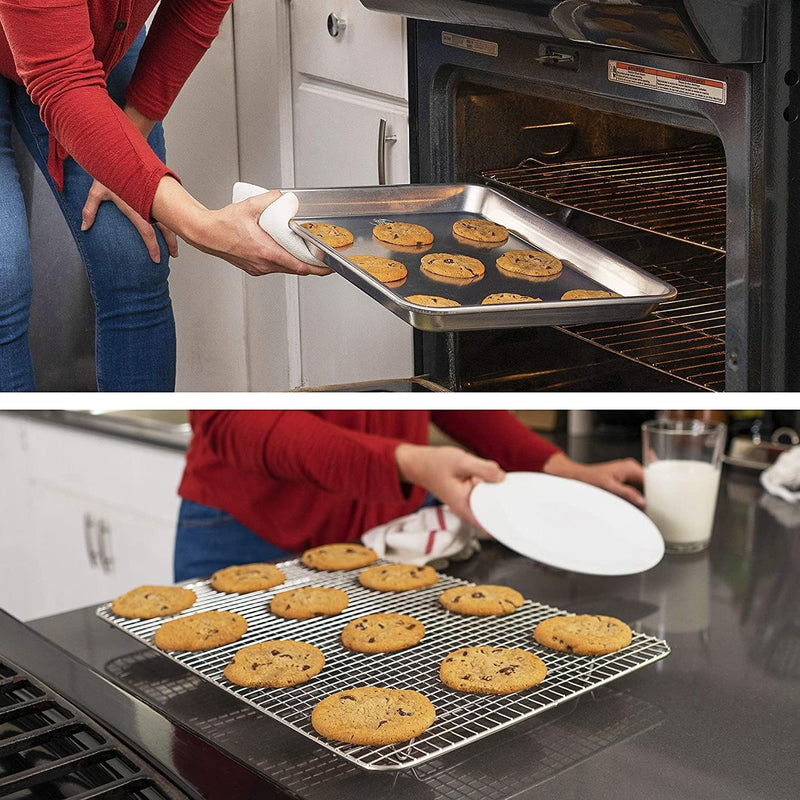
[
  {"x": 135, "y": 329},
  {"x": 209, "y": 539}
]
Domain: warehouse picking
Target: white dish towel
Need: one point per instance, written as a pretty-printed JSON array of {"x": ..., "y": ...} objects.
[
  {"x": 275, "y": 218},
  {"x": 432, "y": 534},
  {"x": 782, "y": 479}
]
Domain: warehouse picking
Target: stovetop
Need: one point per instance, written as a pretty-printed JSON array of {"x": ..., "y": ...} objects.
[{"x": 65, "y": 732}]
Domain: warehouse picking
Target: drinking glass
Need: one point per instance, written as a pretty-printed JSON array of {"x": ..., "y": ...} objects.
[{"x": 682, "y": 464}]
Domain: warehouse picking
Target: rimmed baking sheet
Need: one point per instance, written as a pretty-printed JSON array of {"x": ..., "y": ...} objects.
[
  {"x": 437, "y": 207},
  {"x": 461, "y": 718}
]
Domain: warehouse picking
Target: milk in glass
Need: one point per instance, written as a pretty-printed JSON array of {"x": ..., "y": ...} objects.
[{"x": 680, "y": 498}]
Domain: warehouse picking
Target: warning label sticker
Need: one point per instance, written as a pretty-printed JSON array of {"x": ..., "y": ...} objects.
[{"x": 661, "y": 80}]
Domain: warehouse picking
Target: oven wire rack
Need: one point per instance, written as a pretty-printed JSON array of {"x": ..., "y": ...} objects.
[{"x": 461, "y": 718}]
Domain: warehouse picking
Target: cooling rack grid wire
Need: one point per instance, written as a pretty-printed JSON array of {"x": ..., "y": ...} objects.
[{"x": 461, "y": 718}]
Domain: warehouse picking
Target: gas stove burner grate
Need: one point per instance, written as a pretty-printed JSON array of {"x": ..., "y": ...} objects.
[
  {"x": 678, "y": 193},
  {"x": 48, "y": 748},
  {"x": 461, "y": 718}
]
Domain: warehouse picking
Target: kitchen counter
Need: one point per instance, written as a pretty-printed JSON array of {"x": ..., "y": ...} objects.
[
  {"x": 718, "y": 718},
  {"x": 164, "y": 428}
]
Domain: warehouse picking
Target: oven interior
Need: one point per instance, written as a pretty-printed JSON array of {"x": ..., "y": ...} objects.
[{"x": 652, "y": 193}]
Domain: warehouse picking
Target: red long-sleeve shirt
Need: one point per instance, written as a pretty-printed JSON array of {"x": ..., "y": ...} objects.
[
  {"x": 62, "y": 52},
  {"x": 306, "y": 478}
]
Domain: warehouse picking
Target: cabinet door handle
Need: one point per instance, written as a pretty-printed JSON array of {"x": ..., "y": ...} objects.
[
  {"x": 336, "y": 25},
  {"x": 88, "y": 539},
  {"x": 106, "y": 554},
  {"x": 383, "y": 140}
]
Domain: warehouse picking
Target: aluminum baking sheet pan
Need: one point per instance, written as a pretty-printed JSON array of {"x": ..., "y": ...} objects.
[
  {"x": 461, "y": 717},
  {"x": 437, "y": 207}
]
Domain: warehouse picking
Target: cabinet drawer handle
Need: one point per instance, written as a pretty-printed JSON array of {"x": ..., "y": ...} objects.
[
  {"x": 88, "y": 540},
  {"x": 383, "y": 140},
  {"x": 336, "y": 25},
  {"x": 106, "y": 555}
]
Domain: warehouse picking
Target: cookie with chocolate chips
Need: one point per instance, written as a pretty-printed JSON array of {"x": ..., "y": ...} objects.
[
  {"x": 398, "y": 577},
  {"x": 484, "y": 600},
  {"x": 201, "y": 631},
  {"x": 242, "y": 578},
  {"x": 275, "y": 663},
  {"x": 386, "y": 270},
  {"x": 339, "y": 556},
  {"x": 148, "y": 602},
  {"x": 491, "y": 670},
  {"x": 499, "y": 298},
  {"x": 587, "y": 294},
  {"x": 463, "y": 269},
  {"x": 333, "y": 235},
  {"x": 480, "y": 230},
  {"x": 531, "y": 264},
  {"x": 382, "y": 633},
  {"x": 306, "y": 602},
  {"x": 372, "y": 715},
  {"x": 583, "y": 634},
  {"x": 406, "y": 234},
  {"x": 431, "y": 300}
]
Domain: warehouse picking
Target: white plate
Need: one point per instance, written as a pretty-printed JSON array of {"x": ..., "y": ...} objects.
[{"x": 568, "y": 524}]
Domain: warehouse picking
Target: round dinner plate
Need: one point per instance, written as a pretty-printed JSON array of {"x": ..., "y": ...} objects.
[{"x": 567, "y": 524}]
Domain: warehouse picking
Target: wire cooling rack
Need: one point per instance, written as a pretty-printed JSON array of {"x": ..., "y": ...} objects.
[{"x": 461, "y": 718}]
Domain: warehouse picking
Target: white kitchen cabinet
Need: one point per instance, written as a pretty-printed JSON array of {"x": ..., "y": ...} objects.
[
  {"x": 343, "y": 86},
  {"x": 93, "y": 516}
]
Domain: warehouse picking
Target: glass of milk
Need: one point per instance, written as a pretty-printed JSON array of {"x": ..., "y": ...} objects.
[{"x": 682, "y": 464}]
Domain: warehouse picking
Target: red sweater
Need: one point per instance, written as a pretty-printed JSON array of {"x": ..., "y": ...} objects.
[
  {"x": 62, "y": 51},
  {"x": 306, "y": 478}
]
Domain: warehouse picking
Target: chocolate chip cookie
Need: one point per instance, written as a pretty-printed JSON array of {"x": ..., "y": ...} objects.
[
  {"x": 275, "y": 663},
  {"x": 498, "y": 298},
  {"x": 491, "y": 670},
  {"x": 201, "y": 631},
  {"x": 484, "y": 600},
  {"x": 398, "y": 577},
  {"x": 583, "y": 634},
  {"x": 243, "y": 578},
  {"x": 587, "y": 294},
  {"x": 306, "y": 602},
  {"x": 431, "y": 300},
  {"x": 148, "y": 602},
  {"x": 371, "y": 715},
  {"x": 382, "y": 633},
  {"x": 386, "y": 270},
  {"x": 480, "y": 230},
  {"x": 333, "y": 235},
  {"x": 463, "y": 269},
  {"x": 407, "y": 234},
  {"x": 531, "y": 264},
  {"x": 339, "y": 556}
]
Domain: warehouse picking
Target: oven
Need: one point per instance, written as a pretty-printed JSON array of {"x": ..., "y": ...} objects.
[{"x": 665, "y": 131}]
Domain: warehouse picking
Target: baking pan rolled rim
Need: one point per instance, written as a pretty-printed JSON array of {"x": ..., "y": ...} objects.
[{"x": 581, "y": 257}]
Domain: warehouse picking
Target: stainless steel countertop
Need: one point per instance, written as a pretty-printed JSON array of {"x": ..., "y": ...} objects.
[
  {"x": 718, "y": 718},
  {"x": 165, "y": 428}
]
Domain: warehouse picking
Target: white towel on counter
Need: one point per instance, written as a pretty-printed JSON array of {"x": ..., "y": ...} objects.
[
  {"x": 432, "y": 534},
  {"x": 275, "y": 218},
  {"x": 782, "y": 479}
]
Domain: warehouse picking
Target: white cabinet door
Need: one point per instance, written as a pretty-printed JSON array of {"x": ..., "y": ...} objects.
[
  {"x": 341, "y": 41},
  {"x": 336, "y": 137}
]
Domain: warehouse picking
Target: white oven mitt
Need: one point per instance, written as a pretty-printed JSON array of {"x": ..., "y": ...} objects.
[
  {"x": 429, "y": 535},
  {"x": 275, "y": 221},
  {"x": 782, "y": 479}
]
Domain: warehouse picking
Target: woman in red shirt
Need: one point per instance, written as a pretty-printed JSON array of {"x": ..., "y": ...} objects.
[
  {"x": 259, "y": 485},
  {"x": 85, "y": 96}
]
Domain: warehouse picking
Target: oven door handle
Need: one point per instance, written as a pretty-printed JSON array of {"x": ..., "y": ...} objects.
[{"x": 383, "y": 140}]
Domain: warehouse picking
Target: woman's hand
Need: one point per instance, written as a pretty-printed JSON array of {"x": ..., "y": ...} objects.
[
  {"x": 231, "y": 233},
  {"x": 449, "y": 473},
  {"x": 620, "y": 477},
  {"x": 100, "y": 194}
]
